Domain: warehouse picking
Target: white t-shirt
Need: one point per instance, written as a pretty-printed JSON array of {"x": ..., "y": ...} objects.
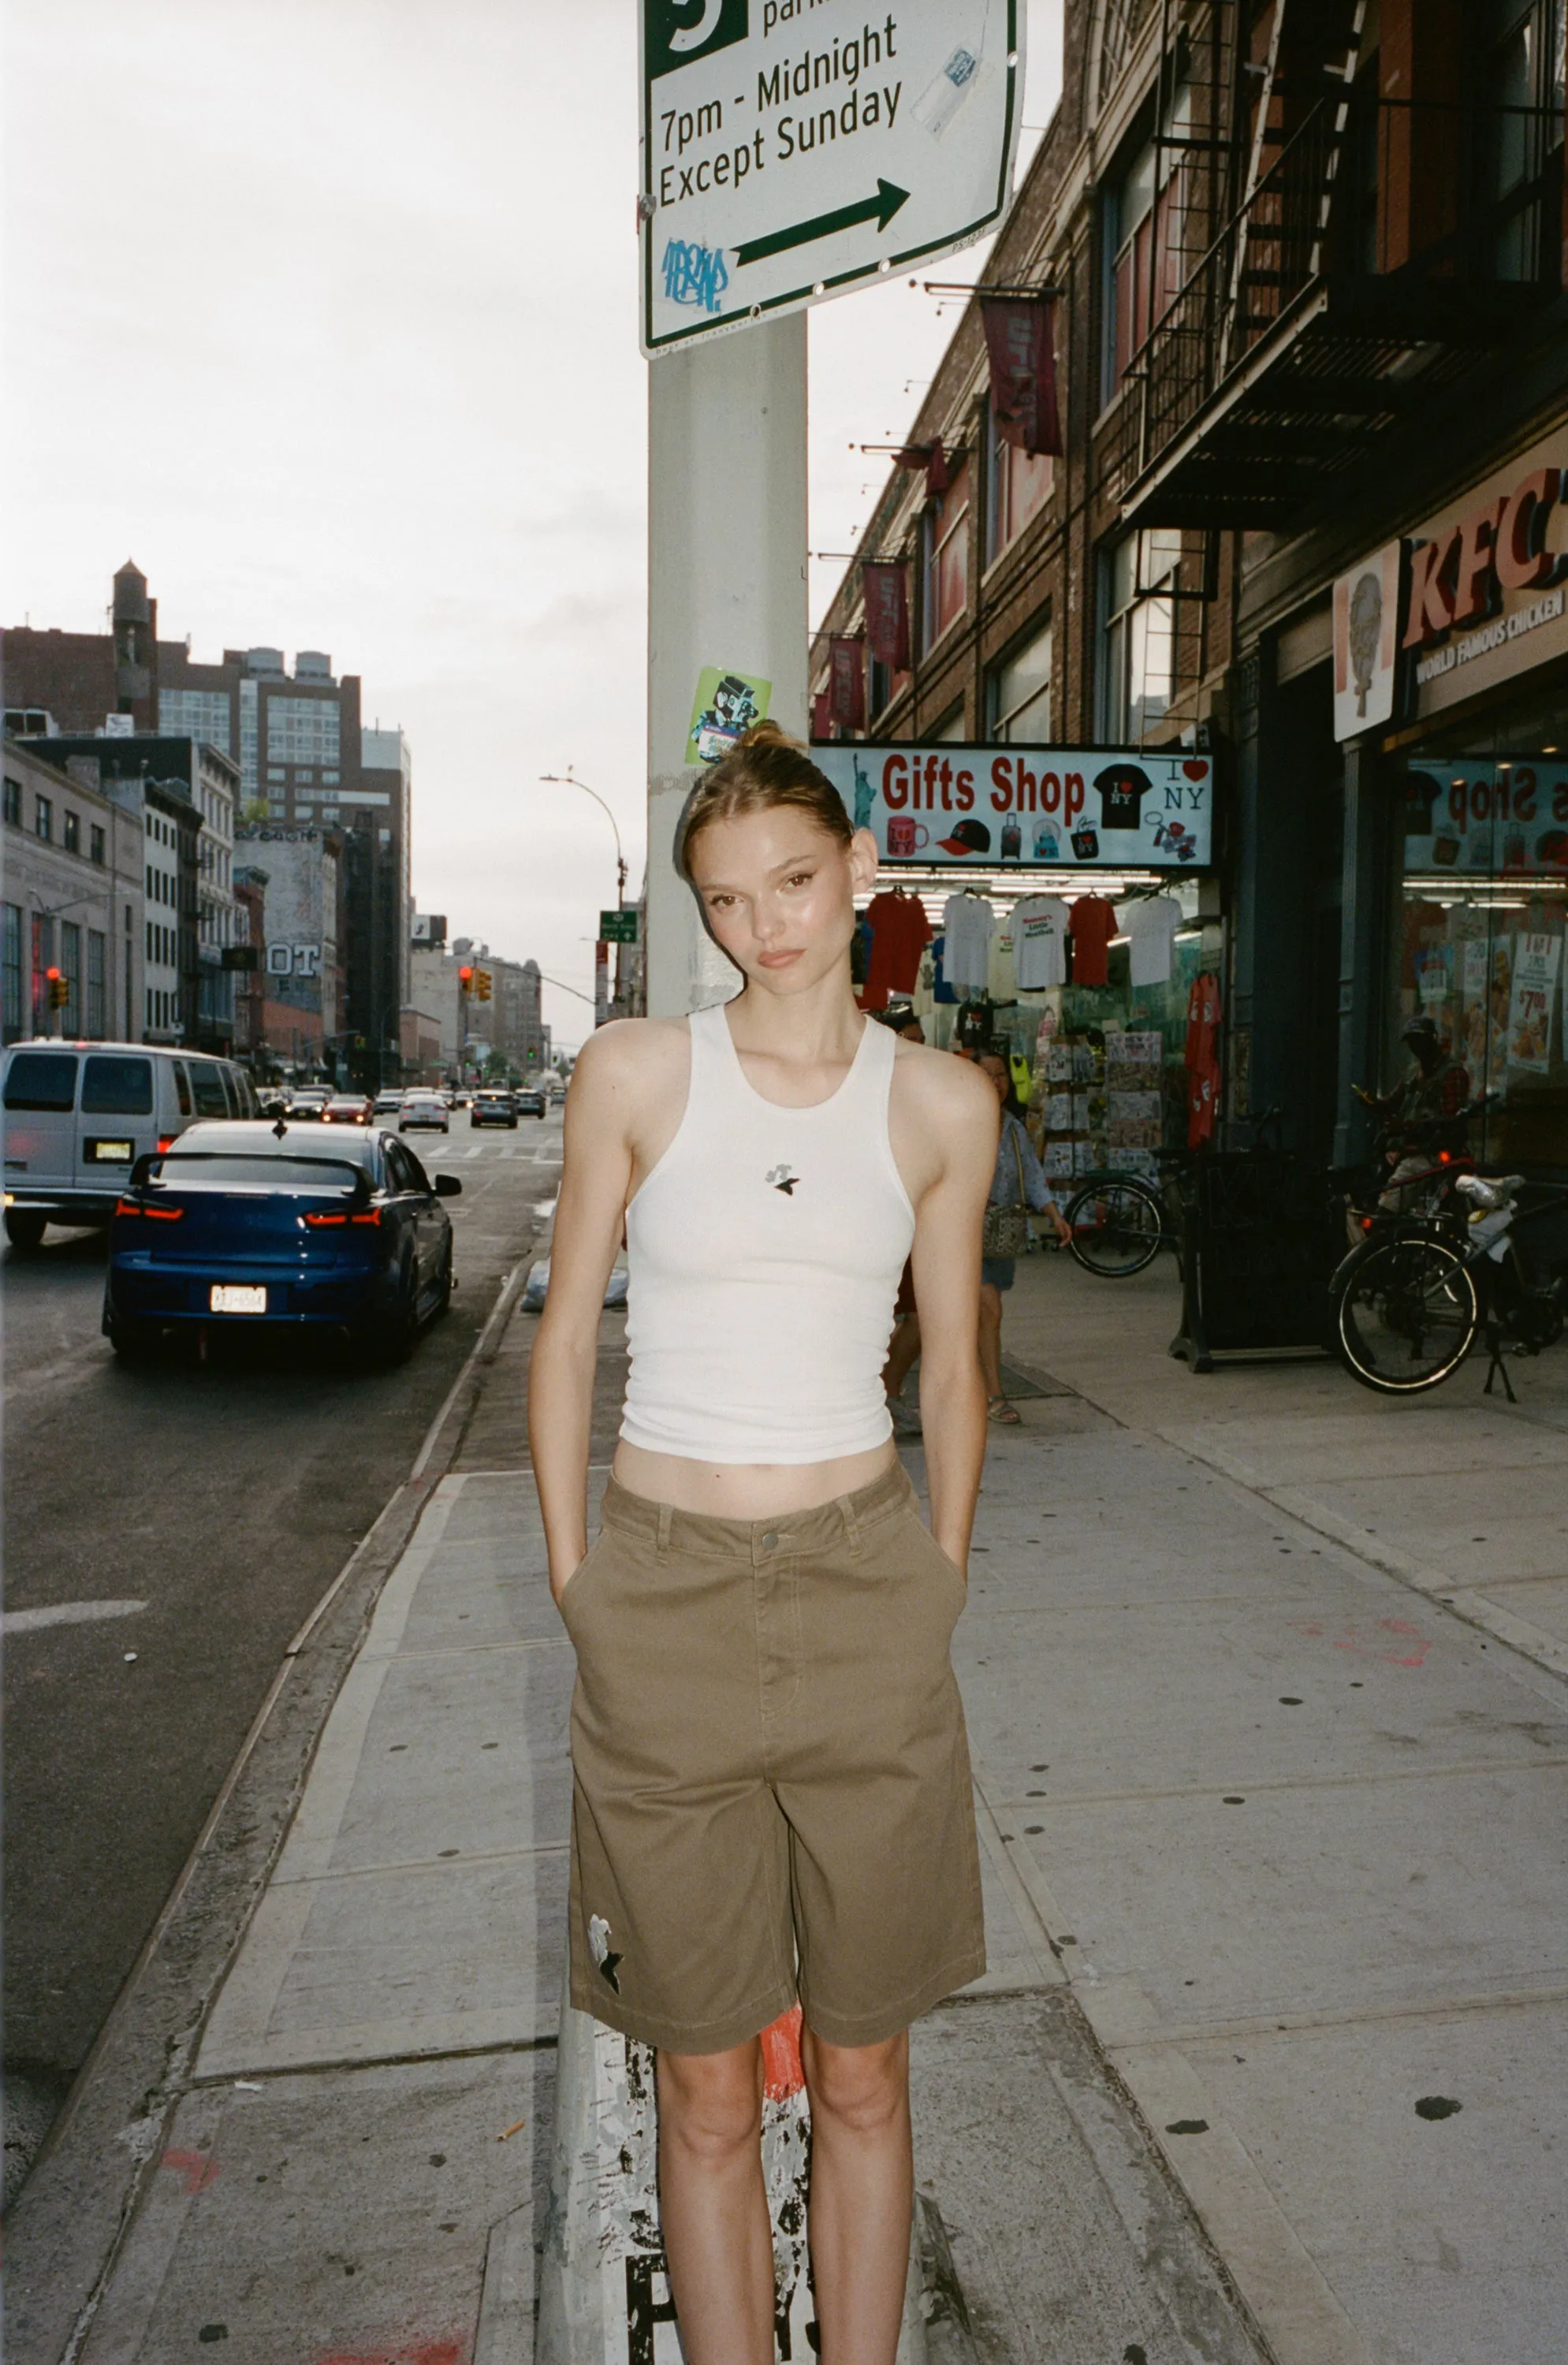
[
  {"x": 1039, "y": 943},
  {"x": 969, "y": 925},
  {"x": 1151, "y": 921}
]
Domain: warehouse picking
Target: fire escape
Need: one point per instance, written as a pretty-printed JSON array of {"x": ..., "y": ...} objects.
[{"x": 1363, "y": 254}]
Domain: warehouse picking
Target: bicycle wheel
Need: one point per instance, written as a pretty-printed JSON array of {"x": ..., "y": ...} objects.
[
  {"x": 1116, "y": 1227},
  {"x": 1407, "y": 1313}
]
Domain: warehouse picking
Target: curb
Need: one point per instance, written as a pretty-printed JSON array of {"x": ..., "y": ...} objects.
[{"x": 67, "y": 2226}]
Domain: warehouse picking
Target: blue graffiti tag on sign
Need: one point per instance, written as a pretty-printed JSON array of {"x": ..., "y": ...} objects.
[{"x": 694, "y": 275}]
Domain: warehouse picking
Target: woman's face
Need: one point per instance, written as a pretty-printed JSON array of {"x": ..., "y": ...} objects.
[
  {"x": 778, "y": 892},
  {"x": 996, "y": 1069}
]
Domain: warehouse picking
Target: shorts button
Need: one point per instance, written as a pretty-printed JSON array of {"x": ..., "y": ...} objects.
[{"x": 770, "y": 1542}]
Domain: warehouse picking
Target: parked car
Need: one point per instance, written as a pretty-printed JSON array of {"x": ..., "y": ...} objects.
[
  {"x": 530, "y": 1098},
  {"x": 248, "y": 1226},
  {"x": 78, "y": 1116},
  {"x": 423, "y": 1108},
  {"x": 493, "y": 1107},
  {"x": 347, "y": 1108}
]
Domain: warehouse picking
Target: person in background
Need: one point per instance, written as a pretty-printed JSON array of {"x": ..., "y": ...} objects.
[
  {"x": 903, "y": 1347},
  {"x": 1423, "y": 1114},
  {"x": 1015, "y": 1161}
]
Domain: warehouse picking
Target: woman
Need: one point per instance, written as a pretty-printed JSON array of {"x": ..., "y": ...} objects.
[
  {"x": 772, "y": 1790},
  {"x": 1019, "y": 1180}
]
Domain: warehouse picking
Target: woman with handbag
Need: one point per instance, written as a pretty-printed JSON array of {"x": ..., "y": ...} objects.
[{"x": 1018, "y": 1184}]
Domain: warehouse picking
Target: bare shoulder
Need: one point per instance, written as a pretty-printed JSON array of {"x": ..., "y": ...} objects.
[
  {"x": 947, "y": 1093},
  {"x": 631, "y": 1053}
]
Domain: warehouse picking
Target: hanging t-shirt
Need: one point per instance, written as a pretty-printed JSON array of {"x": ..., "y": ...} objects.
[
  {"x": 900, "y": 934},
  {"x": 1151, "y": 921},
  {"x": 1123, "y": 788},
  {"x": 1201, "y": 1059},
  {"x": 1092, "y": 921},
  {"x": 1039, "y": 943},
  {"x": 969, "y": 925}
]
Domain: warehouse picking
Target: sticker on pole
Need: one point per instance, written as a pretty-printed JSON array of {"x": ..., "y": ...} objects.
[{"x": 793, "y": 149}]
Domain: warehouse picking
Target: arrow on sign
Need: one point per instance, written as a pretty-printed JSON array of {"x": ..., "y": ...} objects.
[{"x": 880, "y": 208}]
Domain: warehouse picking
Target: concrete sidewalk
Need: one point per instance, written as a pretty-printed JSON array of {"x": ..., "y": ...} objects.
[{"x": 1273, "y": 1864}]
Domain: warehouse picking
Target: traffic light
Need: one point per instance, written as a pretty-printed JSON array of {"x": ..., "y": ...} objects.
[
  {"x": 481, "y": 985},
  {"x": 58, "y": 990},
  {"x": 465, "y": 980}
]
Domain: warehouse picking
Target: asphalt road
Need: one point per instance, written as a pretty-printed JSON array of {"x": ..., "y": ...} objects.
[{"x": 221, "y": 1499}]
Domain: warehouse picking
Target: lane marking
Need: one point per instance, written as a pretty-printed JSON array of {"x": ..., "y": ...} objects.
[{"x": 66, "y": 1613}]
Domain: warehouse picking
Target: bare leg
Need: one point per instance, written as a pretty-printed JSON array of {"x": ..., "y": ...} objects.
[
  {"x": 991, "y": 1338},
  {"x": 862, "y": 2194},
  {"x": 902, "y": 1354},
  {"x": 713, "y": 2204}
]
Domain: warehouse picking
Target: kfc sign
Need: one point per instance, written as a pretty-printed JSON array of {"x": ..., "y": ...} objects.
[{"x": 1486, "y": 583}]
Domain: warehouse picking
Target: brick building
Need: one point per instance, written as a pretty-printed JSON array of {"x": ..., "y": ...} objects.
[
  {"x": 302, "y": 754},
  {"x": 1311, "y": 362},
  {"x": 73, "y": 899}
]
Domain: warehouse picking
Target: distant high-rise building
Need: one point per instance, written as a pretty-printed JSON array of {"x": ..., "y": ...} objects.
[{"x": 305, "y": 760}]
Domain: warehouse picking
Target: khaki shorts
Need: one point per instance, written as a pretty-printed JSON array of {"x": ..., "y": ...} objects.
[{"x": 771, "y": 1780}]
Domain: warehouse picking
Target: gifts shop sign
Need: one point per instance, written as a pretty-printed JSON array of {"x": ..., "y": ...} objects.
[{"x": 1051, "y": 808}]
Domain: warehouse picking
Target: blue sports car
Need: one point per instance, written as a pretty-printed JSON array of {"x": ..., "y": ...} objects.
[{"x": 270, "y": 1227}]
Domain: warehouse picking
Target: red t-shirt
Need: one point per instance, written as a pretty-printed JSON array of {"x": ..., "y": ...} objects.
[
  {"x": 1091, "y": 923},
  {"x": 900, "y": 934}
]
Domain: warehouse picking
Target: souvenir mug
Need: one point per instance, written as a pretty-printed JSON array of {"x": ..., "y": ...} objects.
[{"x": 906, "y": 835}]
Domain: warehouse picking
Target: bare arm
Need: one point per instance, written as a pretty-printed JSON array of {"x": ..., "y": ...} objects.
[
  {"x": 961, "y": 1120},
  {"x": 595, "y": 1185}
]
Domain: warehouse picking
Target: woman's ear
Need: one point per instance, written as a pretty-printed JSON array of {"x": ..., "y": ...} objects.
[{"x": 863, "y": 860}]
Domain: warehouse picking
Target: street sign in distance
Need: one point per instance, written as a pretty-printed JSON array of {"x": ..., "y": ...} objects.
[
  {"x": 793, "y": 149},
  {"x": 618, "y": 927}
]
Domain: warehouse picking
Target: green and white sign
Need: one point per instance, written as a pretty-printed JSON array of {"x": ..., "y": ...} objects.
[
  {"x": 795, "y": 148},
  {"x": 618, "y": 927}
]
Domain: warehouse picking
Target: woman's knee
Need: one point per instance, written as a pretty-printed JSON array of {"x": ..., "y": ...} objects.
[
  {"x": 711, "y": 2103},
  {"x": 862, "y": 2087}
]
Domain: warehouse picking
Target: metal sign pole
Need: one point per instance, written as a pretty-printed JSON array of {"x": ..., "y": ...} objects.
[{"x": 726, "y": 588}]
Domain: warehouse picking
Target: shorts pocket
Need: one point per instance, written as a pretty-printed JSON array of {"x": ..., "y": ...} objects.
[{"x": 571, "y": 1592}]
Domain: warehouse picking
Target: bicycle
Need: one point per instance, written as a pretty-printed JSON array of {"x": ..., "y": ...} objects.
[
  {"x": 1120, "y": 1222},
  {"x": 1409, "y": 1303}
]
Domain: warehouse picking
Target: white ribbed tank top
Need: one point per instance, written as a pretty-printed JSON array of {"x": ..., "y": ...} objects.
[{"x": 764, "y": 1253}]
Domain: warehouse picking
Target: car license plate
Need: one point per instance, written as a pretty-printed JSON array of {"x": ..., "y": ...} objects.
[
  {"x": 111, "y": 1153},
  {"x": 233, "y": 1297}
]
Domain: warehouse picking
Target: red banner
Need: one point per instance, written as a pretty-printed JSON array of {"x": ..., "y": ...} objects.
[
  {"x": 1021, "y": 345},
  {"x": 822, "y": 715},
  {"x": 846, "y": 682},
  {"x": 886, "y": 588},
  {"x": 932, "y": 458}
]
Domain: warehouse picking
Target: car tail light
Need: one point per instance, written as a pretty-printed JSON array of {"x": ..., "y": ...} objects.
[
  {"x": 166, "y": 1141},
  {"x": 316, "y": 1222},
  {"x": 153, "y": 1215},
  {"x": 371, "y": 1216}
]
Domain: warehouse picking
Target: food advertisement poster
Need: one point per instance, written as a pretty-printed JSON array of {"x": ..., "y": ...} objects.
[{"x": 1533, "y": 1002}]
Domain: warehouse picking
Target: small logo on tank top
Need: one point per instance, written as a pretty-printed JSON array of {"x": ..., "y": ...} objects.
[{"x": 783, "y": 1178}]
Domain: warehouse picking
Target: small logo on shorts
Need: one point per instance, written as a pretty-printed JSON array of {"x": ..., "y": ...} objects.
[
  {"x": 599, "y": 1947},
  {"x": 783, "y": 1178}
]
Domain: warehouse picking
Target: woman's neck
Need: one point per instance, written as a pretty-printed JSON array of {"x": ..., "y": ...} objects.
[{"x": 817, "y": 1027}]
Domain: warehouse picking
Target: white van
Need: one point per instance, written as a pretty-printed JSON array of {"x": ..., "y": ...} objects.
[{"x": 77, "y": 1116}]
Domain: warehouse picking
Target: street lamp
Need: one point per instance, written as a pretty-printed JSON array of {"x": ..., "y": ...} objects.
[{"x": 569, "y": 780}]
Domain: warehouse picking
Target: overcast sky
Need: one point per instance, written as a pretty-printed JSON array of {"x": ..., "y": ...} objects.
[{"x": 324, "y": 311}]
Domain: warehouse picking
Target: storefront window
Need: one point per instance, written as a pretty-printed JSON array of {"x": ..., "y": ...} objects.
[{"x": 1479, "y": 938}]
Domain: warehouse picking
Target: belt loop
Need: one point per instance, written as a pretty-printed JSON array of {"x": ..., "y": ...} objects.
[
  {"x": 851, "y": 1525},
  {"x": 667, "y": 1518}
]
